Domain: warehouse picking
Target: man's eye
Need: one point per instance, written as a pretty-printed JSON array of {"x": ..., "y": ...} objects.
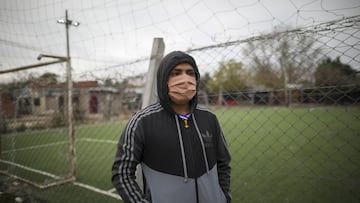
[
  {"x": 175, "y": 73},
  {"x": 191, "y": 73}
]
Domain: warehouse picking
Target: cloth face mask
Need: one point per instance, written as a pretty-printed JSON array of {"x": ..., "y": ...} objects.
[{"x": 182, "y": 88}]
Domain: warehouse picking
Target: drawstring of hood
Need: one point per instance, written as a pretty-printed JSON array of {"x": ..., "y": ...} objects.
[
  {"x": 182, "y": 147},
  {"x": 202, "y": 145}
]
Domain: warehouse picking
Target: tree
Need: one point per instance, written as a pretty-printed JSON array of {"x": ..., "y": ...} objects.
[
  {"x": 204, "y": 80},
  {"x": 230, "y": 77},
  {"x": 47, "y": 78},
  {"x": 282, "y": 58},
  {"x": 108, "y": 82},
  {"x": 20, "y": 81},
  {"x": 334, "y": 73}
]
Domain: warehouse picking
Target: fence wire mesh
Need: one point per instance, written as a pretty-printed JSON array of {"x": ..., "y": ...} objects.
[
  {"x": 290, "y": 117},
  {"x": 288, "y": 103}
]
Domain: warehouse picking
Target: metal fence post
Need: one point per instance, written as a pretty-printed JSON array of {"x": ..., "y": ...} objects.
[
  {"x": 2, "y": 120},
  {"x": 150, "y": 95}
]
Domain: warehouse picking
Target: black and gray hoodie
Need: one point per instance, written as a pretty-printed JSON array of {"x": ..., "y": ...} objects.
[{"x": 180, "y": 165}]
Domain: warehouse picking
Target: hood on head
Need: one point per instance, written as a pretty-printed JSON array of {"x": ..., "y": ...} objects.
[{"x": 166, "y": 65}]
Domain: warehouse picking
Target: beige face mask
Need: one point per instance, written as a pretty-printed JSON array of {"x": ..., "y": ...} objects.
[{"x": 182, "y": 88}]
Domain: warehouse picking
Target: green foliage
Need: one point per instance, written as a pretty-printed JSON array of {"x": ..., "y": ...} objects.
[
  {"x": 48, "y": 78},
  {"x": 58, "y": 120},
  {"x": 334, "y": 73},
  {"x": 21, "y": 128},
  {"x": 3, "y": 125},
  {"x": 79, "y": 115},
  {"x": 21, "y": 82},
  {"x": 230, "y": 77},
  {"x": 204, "y": 81},
  {"x": 282, "y": 58}
]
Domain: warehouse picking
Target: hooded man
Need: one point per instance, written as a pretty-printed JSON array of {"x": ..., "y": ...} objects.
[{"x": 179, "y": 144}]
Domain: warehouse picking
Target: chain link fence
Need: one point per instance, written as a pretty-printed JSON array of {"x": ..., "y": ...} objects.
[
  {"x": 288, "y": 103},
  {"x": 290, "y": 115}
]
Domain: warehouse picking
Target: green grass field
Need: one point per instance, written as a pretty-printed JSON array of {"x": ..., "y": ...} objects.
[{"x": 278, "y": 155}]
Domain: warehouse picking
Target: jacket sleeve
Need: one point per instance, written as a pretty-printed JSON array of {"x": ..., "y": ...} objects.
[
  {"x": 128, "y": 156},
  {"x": 223, "y": 164}
]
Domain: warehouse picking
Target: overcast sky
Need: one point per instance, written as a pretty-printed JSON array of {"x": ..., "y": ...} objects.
[{"x": 116, "y": 31}]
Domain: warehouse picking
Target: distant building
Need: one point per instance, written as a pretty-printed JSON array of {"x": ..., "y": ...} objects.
[
  {"x": 90, "y": 100},
  {"x": 134, "y": 91}
]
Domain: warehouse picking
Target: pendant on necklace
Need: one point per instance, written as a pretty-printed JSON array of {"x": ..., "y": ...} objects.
[{"x": 186, "y": 123}]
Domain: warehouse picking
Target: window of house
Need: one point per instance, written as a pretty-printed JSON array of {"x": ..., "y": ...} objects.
[
  {"x": 37, "y": 101},
  {"x": 93, "y": 106}
]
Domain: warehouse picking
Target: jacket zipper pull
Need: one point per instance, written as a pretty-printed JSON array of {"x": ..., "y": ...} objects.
[{"x": 186, "y": 123}]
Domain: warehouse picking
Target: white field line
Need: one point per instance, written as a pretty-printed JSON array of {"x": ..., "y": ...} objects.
[
  {"x": 59, "y": 143},
  {"x": 98, "y": 140},
  {"x": 34, "y": 147},
  {"x": 89, "y": 187},
  {"x": 112, "y": 190},
  {"x": 31, "y": 169}
]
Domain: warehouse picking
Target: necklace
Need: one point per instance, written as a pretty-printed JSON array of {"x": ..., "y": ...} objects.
[{"x": 185, "y": 118}]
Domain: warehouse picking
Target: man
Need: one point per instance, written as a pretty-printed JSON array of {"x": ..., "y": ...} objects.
[{"x": 180, "y": 145}]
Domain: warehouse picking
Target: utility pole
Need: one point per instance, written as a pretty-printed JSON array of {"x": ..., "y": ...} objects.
[{"x": 71, "y": 133}]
